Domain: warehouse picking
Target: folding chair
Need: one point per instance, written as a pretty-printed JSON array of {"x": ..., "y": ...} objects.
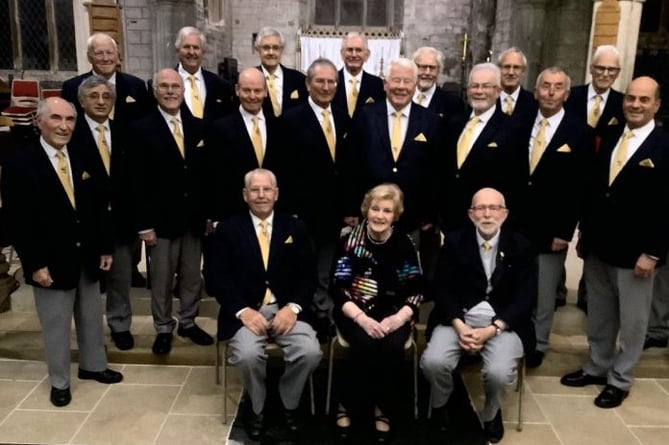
[{"x": 25, "y": 95}]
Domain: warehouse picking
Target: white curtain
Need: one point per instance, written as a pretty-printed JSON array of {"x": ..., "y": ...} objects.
[{"x": 381, "y": 51}]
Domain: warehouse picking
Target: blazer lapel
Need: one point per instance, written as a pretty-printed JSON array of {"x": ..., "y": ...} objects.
[{"x": 252, "y": 240}]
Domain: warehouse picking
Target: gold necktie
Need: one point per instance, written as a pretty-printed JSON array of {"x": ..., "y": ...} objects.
[
  {"x": 263, "y": 241},
  {"x": 272, "y": 95},
  {"x": 195, "y": 101},
  {"x": 621, "y": 156},
  {"x": 256, "y": 140},
  {"x": 103, "y": 147},
  {"x": 178, "y": 137},
  {"x": 420, "y": 98},
  {"x": 352, "y": 97},
  {"x": 595, "y": 112},
  {"x": 396, "y": 136},
  {"x": 486, "y": 246},
  {"x": 539, "y": 145},
  {"x": 508, "y": 105},
  {"x": 64, "y": 176},
  {"x": 329, "y": 134},
  {"x": 466, "y": 140}
]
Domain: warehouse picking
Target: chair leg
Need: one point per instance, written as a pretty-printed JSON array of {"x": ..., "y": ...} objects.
[
  {"x": 311, "y": 395},
  {"x": 328, "y": 390},
  {"x": 224, "y": 369},
  {"x": 218, "y": 362},
  {"x": 415, "y": 381},
  {"x": 520, "y": 388}
]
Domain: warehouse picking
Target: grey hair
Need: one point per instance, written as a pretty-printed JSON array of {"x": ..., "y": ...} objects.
[
  {"x": 321, "y": 61},
  {"x": 487, "y": 66},
  {"x": 513, "y": 49},
  {"x": 605, "y": 49},
  {"x": 92, "y": 82},
  {"x": 187, "y": 31},
  {"x": 402, "y": 62},
  {"x": 554, "y": 70},
  {"x": 352, "y": 35},
  {"x": 430, "y": 50},
  {"x": 43, "y": 105},
  {"x": 268, "y": 31},
  {"x": 97, "y": 35},
  {"x": 259, "y": 171}
]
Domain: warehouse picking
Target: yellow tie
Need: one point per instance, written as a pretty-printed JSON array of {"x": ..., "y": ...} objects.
[
  {"x": 263, "y": 241},
  {"x": 621, "y": 156},
  {"x": 352, "y": 97},
  {"x": 539, "y": 145},
  {"x": 508, "y": 105},
  {"x": 178, "y": 137},
  {"x": 595, "y": 112},
  {"x": 466, "y": 140},
  {"x": 396, "y": 136},
  {"x": 256, "y": 140},
  {"x": 329, "y": 134},
  {"x": 195, "y": 101},
  {"x": 272, "y": 95},
  {"x": 486, "y": 246},
  {"x": 64, "y": 176},
  {"x": 420, "y": 98},
  {"x": 103, "y": 147}
]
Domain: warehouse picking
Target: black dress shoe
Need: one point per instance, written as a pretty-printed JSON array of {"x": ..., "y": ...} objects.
[
  {"x": 581, "y": 378},
  {"x": 610, "y": 397},
  {"x": 162, "y": 344},
  {"x": 582, "y": 304},
  {"x": 439, "y": 418},
  {"x": 291, "y": 417},
  {"x": 382, "y": 436},
  {"x": 123, "y": 340},
  {"x": 107, "y": 376},
  {"x": 254, "y": 426},
  {"x": 655, "y": 343},
  {"x": 494, "y": 429},
  {"x": 559, "y": 302},
  {"x": 138, "y": 279},
  {"x": 196, "y": 334},
  {"x": 60, "y": 397},
  {"x": 534, "y": 359}
]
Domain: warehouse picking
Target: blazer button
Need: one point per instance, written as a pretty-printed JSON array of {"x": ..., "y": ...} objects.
[
  {"x": 457, "y": 176},
  {"x": 394, "y": 169},
  {"x": 266, "y": 283},
  {"x": 607, "y": 195},
  {"x": 78, "y": 244},
  {"x": 529, "y": 183},
  {"x": 185, "y": 167}
]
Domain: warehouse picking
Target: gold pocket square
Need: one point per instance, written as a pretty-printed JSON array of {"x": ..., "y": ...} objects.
[
  {"x": 370, "y": 100},
  {"x": 200, "y": 144},
  {"x": 289, "y": 240},
  {"x": 420, "y": 138},
  {"x": 294, "y": 95},
  {"x": 85, "y": 176},
  {"x": 564, "y": 149},
  {"x": 492, "y": 145},
  {"x": 130, "y": 100},
  {"x": 648, "y": 162},
  {"x": 613, "y": 121}
]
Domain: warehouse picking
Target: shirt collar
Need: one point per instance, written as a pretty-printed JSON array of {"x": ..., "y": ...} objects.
[
  {"x": 486, "y": 115},
  {"x": 168, "y": 117},
  {"x": 494, "y": 241},
  {"x": 278, "y": 72},
  {"x": 317, "y": 108},
  {"x": 514, "y": 95},
  {"x": 391, "y": 110},
  {"x": 248, "y": 116},
  {"x": 553, "y": 121},
  {"x": 50, "y": 150},
  {"x": 592, "y": 93},
  {"x": 256, "y": 221},
  {"x": 642, "y": 133},
  {"x": 94, "y": 124},
  {"x": 185, "y": 74}
]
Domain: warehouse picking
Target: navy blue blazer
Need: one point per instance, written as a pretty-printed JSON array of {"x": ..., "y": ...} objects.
[
  {"x": 326, "y": 190},
  {"x": 629, "y": 217},
  {"x": 526, "y": 107},
  {"x": 132, "y": 97},
  {"x": 234, "y": 272},
  {"x": 43, "y": 227},
  {"x": 612, "y": 114},
  {"x": 415, "y": 170},
  {"x": 169, "y": 189},
  {"x": 230, "y": 155},
  {"x": 119, "y": 182},
  {"x": 551, "y": 200},
  {"x": 294, "y": 92},
  {"x": 445, "y": 104},
  {"x": 370, "y": 91},
  {"x": 460, "y": 282}
]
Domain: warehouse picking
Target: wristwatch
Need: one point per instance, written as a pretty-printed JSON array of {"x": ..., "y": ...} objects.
[
  {"x": 295, "y": 308},
  {"x": 498, "y": 330}
]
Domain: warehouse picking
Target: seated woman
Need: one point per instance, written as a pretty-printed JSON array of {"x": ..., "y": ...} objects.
[{"x": 376, "y": 288}]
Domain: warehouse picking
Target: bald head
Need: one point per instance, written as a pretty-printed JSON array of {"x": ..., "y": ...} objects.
[
  {"x": 641, "y": 102},
  {"x": 251, "y": 90}
]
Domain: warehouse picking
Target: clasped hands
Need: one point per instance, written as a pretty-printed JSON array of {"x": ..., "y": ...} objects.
[
  {"x": 282, "y": 323},
  {"x": 472, "y": 339},
  {"x": 379, "y": 329}
]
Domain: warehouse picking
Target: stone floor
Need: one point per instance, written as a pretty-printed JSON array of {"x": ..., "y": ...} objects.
[{"x": 175, "y": 400}]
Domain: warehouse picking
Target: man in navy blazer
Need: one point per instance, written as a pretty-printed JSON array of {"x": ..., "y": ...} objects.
[
  {"x": 110, "y": 154},
  {"x": 170, "y": 215},
  {"x": 558, "y": 158},
  {"x": 480, "y": 150},
  {"x": 289, "y": 88},
  {"x": 430, "y": 63},
  {"x": 484, "y": 291},
  {"x": 403, "y": 154},
  {"x": 231, "y": 153},
  {"x": 623, "y": 239},
  {"x": 55, "y": 209},
  {"x": 132, "y": 98},
  {"x": 368, "y": 87},
  {"x": 325, "y": 177},
  {"x": 514, "y": 100},
  {"x": 260, "y": 268}
]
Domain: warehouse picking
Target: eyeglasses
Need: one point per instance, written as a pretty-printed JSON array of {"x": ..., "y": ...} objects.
[
  {"x": 97, "y": 96},
  {"x": 599, "y": 69},
  {"x": 491, "y": 207},
  {"x": 481, "y": 86},
  {"x": 268, "y": 48},
  {"x": 263, "y": 190}
]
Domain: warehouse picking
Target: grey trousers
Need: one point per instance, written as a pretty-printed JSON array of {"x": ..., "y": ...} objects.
[
  {"x": 658, "y": 323},
  {"x": 551, "y": 267},
  {"x": 618, "y": 305},
  {"x": 55, "y": 309},
  {"x": 501, "y": 355},
  {"x": 301, "y": 355},
  {"x": 119, "y": 312},
  {"x": 167, "y": 257}
]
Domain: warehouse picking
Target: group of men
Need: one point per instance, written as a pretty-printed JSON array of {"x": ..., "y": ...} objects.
[{"x": 175, "y": 165}]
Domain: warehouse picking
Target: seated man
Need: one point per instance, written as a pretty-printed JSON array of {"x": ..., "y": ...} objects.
[
  {"x": 485, "y": 285},
  {"x": 261, "y": 270}
]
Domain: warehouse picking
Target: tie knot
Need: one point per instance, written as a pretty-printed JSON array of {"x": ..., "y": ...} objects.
[
  {"x": 60, "y": 155},
  {"x": 628, "y": 134},
  {"x": 486, "y": 246},
  {"x": 598, "y": 99},
  {"x": 353, "y": 81},
  {"x": 473, "y": 121},
  {"x": 175, "y": 121},
  {"x": 325, "y": 113},
  {"x": 264, "y": 225},
  {"x": 191, "y": 77},
  {"x": 508, "y": 100},
  {"x": 544, "y": 122},
  {"x": 397, "y": 114},
  {"x": 100, "y": 128},
  {"x": 255, "y": 120}
]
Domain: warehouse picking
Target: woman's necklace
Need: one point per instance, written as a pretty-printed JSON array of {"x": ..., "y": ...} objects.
[{"x": 375, "y": 241}]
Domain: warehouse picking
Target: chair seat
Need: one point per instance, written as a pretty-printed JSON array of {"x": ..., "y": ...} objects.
[{"x": 16, "y": 110}]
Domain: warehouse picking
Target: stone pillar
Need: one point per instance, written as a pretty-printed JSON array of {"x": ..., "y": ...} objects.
[
  {"x": 626, "y": 35},
  {"x": 482, "y": 29},
  {"x": 528, "y": 26},
  {"x": 168, "y": 16}
]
